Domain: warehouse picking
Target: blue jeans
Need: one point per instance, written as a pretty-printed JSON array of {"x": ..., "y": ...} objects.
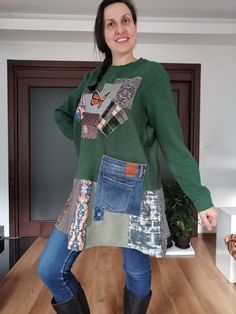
[{"x": 56, "y": 262}]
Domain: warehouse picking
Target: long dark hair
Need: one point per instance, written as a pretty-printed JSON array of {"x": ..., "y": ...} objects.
[{"x": 99, "y": 38}]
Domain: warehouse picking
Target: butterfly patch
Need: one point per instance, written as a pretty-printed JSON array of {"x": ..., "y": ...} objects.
[{"x": 97, "y": 99}]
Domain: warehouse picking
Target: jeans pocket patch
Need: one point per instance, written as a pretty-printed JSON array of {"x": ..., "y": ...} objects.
[
  {"x": 119, "y": 187},
  {"x": 115, "y": 194}
]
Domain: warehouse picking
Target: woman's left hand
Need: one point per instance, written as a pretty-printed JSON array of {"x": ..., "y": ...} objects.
[{"x": 209, "y": 217}]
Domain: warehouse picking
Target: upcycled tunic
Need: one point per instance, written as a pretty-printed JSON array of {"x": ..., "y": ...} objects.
[{"x": 117, "y": 198}]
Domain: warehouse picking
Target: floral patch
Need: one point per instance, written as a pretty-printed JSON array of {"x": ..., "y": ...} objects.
[{"x": 77, "y": 233}]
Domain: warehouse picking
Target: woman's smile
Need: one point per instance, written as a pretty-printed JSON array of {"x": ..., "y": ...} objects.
[{"x": 122, "y": 39}]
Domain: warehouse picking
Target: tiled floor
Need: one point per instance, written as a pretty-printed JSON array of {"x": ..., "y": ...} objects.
[{"x": 11, "y": 250}]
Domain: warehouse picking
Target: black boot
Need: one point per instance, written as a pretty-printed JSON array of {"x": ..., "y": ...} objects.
[
  {"x": 76, "y": 305},
  {"x": 135, "y": 305}
]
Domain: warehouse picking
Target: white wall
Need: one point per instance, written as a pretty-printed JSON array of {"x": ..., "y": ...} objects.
[
  {"x": 217, "y": 118},
  {"x": 218, "y": 110}
]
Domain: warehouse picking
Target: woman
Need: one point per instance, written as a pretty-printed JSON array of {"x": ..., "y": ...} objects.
[{"x": 117, "y": 118}]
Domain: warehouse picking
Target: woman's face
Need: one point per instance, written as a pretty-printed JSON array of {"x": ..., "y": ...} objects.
[{"x": 119, "y": 30}]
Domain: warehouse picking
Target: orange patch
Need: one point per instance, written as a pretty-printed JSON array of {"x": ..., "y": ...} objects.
[{"x": 131, "y": 169}]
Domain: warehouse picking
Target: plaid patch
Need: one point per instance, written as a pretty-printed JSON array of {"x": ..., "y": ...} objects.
[{"x": 111, "y": 119}]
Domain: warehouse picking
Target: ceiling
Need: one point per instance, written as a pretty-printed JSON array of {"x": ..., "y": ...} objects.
[
  {"x": 149, "y": 8},
  {"x": 164, "y": 21}
]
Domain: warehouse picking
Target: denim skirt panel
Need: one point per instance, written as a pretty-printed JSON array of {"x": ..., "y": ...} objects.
[{"x": 115, "y": 211}]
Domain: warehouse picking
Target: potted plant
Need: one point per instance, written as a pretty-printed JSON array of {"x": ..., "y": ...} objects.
[
  {"x": 183, "y": 231},
  {"x": 179, "y": 215}
]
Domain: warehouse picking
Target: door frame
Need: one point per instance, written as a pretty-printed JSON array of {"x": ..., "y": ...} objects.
[{"x": 63, "y": 74}]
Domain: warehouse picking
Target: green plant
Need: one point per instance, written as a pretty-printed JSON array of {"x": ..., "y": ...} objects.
[
  {"x": 184, "y": 227},
  {"x": 178, "y": 210}
]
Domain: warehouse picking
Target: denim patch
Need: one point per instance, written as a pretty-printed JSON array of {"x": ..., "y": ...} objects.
[{"x": 118, "y": 191}]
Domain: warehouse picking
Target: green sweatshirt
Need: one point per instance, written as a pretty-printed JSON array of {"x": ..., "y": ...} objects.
[{"x": 147, "y": 121}]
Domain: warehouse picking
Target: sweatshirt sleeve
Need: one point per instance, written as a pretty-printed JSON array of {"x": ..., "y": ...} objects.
[
  {"x": 163, "y": 118},
  {"x": 64, "y": 115}
]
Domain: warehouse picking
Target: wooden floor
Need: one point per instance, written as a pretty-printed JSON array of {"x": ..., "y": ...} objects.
[{"x": 191, "y": 285}]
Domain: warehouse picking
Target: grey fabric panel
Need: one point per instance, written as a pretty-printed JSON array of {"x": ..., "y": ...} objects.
[{"x": 149, "y": 231}]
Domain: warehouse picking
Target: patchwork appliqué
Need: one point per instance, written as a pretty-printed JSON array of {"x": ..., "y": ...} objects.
[
  {"x": 89, "y": 122},
  {"x": 77, "y": 234},
  {"x": 127, "y": 91},
  {"x": 102, "y": 110},
  {"x": 98, "y": 99},
  {"x": 79, "y": 114},
  {"x": 66, "y": 209},
  {"x": 111, "y": 119}
]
